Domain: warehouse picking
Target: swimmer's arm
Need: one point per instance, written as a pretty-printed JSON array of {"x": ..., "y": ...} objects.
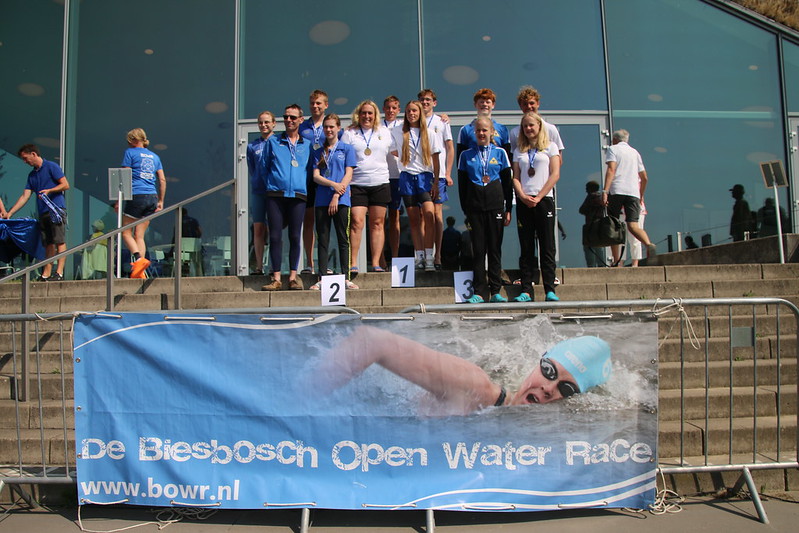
[{"x": 447, "y": 377}]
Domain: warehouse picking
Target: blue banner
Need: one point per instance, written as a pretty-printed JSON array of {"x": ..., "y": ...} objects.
[{"x": 437, "y": 412}]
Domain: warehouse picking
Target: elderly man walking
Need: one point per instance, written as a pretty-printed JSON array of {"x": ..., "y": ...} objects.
[{"x": 625, "y": 183}]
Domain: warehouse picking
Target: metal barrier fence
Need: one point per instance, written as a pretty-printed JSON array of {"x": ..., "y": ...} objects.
[{"x": 723, "y": 352}]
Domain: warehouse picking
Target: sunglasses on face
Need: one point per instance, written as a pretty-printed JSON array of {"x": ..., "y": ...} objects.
[
  {"x": 550, "y": 372},
  {"x": 290, "y": 117}
]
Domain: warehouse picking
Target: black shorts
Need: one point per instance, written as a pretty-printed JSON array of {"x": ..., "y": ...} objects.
[
  {"x": 141, "y": 206},
  {"x": 379, "y": 195},
  {"x": 52, "y": 233},
  {"x": 631, "y": 205}
]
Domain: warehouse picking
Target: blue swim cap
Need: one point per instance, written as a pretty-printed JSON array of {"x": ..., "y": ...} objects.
[{"x": 587, "y": 358}]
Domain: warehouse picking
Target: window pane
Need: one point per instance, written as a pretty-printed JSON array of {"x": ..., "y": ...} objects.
[
  {"x": 352, "y": 50},
  {"x": 698, "y": 89},
  {"x": 175, "y": 80},
  {"x": 791, "y": 56},
  {"x": 557, "y": 47}
]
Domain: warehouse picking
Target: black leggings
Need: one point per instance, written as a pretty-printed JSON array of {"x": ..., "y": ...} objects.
[
  {"x": 282, "y": 212},
  {"x": 341, "y": 221},
  {"x": 537, "y": 224}
]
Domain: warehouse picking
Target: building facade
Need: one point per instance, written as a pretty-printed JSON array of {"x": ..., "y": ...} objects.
[{"x": 706, "y": 90}]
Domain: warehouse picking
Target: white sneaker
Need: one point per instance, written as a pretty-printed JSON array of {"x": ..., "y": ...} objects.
[
  {"x": 419, "y": 264},
  {"x": 349, "y": 285},
  {"x": 429, "y": 266},
  {"x": 316, "y": 286}
]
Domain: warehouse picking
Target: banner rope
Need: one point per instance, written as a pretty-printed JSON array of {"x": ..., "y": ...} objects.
[
  {"x": 666, "y": 501},
  {"x": 676, "y": 305},
  {"x": 163, "y": 518}
]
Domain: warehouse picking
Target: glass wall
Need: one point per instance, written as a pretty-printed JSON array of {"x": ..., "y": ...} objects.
[
  {"x": 699, "y": 91},
  {"x": 509, "y": 44},
  {"x": 30, "y": 89},
  {"x": 353, "y": 50},
  {"x": 167, "y": 67}
]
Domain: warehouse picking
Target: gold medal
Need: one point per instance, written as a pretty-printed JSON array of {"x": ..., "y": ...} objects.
[
  {"x": 294, "y": 163},
  {"x": 368, "y": 151},
  {"x": 486, "y": 179}
]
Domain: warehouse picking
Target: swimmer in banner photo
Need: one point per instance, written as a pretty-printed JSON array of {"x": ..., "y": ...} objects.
[{"x": 458, "y": 386}]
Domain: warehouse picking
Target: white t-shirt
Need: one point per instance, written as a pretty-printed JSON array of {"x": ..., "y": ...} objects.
[
  {"x": 393, "y": 167},
  {"x": 372, "y": 169},
  {"x": 552, "y": 131},
  {"x": 628, "y": 165},
  {"x": 444, "y": 134},
  {"x": 416, "y": 164},
  {"x": 532, "y": 185}
]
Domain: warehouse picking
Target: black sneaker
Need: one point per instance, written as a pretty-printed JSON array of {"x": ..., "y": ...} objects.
[{"x": 55, "y": 277}]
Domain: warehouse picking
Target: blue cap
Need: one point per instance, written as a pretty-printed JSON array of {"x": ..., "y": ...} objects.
[{"x": 586, "y": 358}]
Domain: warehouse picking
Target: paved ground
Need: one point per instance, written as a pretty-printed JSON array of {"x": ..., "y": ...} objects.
[{"x": 698, "y": 514}]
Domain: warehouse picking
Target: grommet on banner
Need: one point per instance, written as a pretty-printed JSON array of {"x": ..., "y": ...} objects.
[
  {"x": 384, "y": 506},
  {"x": 509, "y": 507},
  {"x": 298, "y": 504},
  {"x": 185, "y": 504},
  {"x": 487, "y": 317},
  {"x": 287, "y": 318},
  {"x": 366, "y": 318}
]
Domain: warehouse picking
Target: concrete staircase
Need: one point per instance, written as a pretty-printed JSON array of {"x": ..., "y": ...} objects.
[{"x": 719, "y": 424}]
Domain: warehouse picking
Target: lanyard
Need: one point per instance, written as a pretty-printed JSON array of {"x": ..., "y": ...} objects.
[
  {"x": 485, "y": 157},
  {"x": 372, "y": 132},
  {"x": 327, "y": 157}
]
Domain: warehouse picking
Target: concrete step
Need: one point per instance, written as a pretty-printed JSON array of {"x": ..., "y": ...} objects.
[
  {"x": 720, "y": 440},
  {"x": 49, "y": 387},
  {"x": 719, "y": 326},
  {"x": 50, "y": 446},
  {"x": 719, "y": 374},
  {"x": 47, "y": 362},
  {"x": 718, "y": 349},
  {"x": 770, "y": 479},
  {"x": 716, "y": 403},
  {"x": 49, "y": 414}
]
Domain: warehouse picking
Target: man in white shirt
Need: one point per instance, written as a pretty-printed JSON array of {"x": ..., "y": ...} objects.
[
  {"x": 625, "y": 183},
  {"x": 428, "y": 99},
  {"x": 529, "y": 100}
]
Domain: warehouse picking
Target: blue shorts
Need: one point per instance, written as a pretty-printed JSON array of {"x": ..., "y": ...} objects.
[
  {"x": 413, "y": 184},
  {"x": 141, "y": 206},
  {"x": 396, "y": 197},
  {"x": 258, "y": 208},
  {"x": 442, "y": 191}
]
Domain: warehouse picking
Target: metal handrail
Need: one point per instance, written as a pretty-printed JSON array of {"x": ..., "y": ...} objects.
[{"x": 25, "y": 272}]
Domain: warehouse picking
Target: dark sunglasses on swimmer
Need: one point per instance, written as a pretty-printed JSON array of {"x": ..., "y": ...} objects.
[
  {"x": 290, "y": 117},
  {"x": 550, "y": 372}
]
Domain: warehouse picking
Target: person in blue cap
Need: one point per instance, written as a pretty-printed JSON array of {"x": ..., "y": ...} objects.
[{"x": 570, "y": 367}]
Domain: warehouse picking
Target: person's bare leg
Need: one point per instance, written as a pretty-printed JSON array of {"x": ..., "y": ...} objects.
[
  {"x": 430, "y": 225},
  {"x": 62, "y": 260},
  {"x": 357, "y": 223},
  {"x": 308, "y": 237},
  {"x": 394, "y": 231},
  {"x": 377, "y": 236},
  {"x": 258, "y": 244},
  {"x": 415, "y": 222},
  {"x": 439, "y": 236}
]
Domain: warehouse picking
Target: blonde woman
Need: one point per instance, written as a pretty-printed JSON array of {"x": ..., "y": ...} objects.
[
  {"x": 149, "y": 189},
  {"x": 417, "y": 149},
  {"x": 370, "y": 188},
  {"x": 536, "y": 170}
]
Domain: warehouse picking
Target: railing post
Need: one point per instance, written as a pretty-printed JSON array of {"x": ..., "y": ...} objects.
[
  {"x": 177, "y": 256},
  {"x": 110, "y": 272},
  {"x": 22, "y": 388}
]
